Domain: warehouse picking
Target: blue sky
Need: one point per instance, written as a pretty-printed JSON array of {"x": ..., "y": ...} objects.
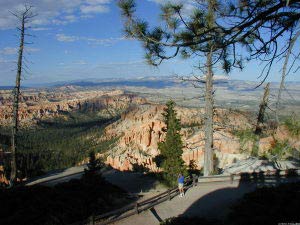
[{"x": 83, "y": 39}]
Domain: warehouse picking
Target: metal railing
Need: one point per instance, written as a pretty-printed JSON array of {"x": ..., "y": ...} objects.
[{"x": 133, "y": 208}]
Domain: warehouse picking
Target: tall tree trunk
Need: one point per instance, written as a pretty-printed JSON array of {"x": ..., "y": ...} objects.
[
  {"x": 209, "y": 110},
  {"x": 262, "y": 109},
  {"x": 208, "y": 151},
  {"x": 284, "y": 73},
  {"x": 16, "y": 105}
]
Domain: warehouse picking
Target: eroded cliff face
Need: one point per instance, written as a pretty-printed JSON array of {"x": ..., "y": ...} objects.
[
  {"x": 282, "y": 135},
  {"x": 140, "y": 127},
  {"x": 140, "y": 130},
  {"x": 35, "y": 107}
]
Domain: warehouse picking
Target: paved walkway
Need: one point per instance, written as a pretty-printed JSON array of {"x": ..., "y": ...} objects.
[
  {"x": 58, "y": 176},
  {"x": 133, "y": 182},
  {"x": 210, "y": 200}
]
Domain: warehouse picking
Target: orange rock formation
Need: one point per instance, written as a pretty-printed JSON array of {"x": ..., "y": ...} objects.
[{"x": 140, "y": 130}]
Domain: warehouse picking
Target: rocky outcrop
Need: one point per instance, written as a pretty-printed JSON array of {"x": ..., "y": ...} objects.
[
  {"x": 251, "y": 165},
  {"x": 140, "y": 130},
  {"x": 36, "y": 107}
]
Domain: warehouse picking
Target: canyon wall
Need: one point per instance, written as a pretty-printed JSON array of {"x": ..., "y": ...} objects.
[
  {"x": 140, "y": 130},
  {"x": 140, "y": 127},
  {"x": 35, "y": 107}
]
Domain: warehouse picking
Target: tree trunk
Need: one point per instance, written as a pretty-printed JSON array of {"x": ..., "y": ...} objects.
[
  {"x": 208, "y": 151},
  {"x": 262, "y": 109},
  {"x": 284, "y": 73},
  {"x": 16, "y": 105},
  {"x": 209, "y": 111}
]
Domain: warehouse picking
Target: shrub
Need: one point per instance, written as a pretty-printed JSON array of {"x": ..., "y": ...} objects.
[
  {"x": 281, "y": 149},
  {"x": 293, "y": 125},
  {"x": 247, "y": 137}
]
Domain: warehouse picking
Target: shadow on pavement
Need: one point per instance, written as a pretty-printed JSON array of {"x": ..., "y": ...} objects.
[
  {"x": 133, "y": 182},
  {"x": 217, "y": 204}
]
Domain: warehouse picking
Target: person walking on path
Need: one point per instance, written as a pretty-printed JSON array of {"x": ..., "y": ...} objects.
[
  {"x": 195, "y": 179},
  {"x": 180, "y": 184}
]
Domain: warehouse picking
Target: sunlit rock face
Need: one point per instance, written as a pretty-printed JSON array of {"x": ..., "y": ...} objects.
[
  {"x": 141, "y": 129},
  {"x": 252, "y": 164},
  {"x": 34, "y": 107}
]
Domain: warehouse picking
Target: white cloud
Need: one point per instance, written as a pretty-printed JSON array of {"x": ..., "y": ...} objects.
[
  {"x": 65, "y": 20},
  {"x": 8, "y": 51},
  {"x": 5, "y": 61},
  {"x": 87, "y": 9},
  {"x": 13, "y": 50},
  {"x": 41, "y": 28},
  {"x": 104, "y": 41},
  {"x": 86, "y": 16},
  {"x": 89, "y": 40},
  {"x": 71, "y": 18},
  {"x": 59, "y": 12},
  {"x": 29, "y": 49},
  {"x": 96, "y": 2},
  {"x": 80, "y": 62},
  {"x": 65, "y": 38}
]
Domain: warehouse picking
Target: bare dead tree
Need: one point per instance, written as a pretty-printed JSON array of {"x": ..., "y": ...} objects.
[
  {"x": 262, "y": 108},
  {"x": 24, "y": 18},
  {"x": 285, "y": 71}
]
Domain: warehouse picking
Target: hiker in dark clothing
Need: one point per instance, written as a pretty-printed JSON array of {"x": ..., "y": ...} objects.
[{"x": 195, "y": 179}]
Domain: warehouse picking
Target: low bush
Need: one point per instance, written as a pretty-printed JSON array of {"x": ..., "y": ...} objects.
[{"x": 293, "y": 125}]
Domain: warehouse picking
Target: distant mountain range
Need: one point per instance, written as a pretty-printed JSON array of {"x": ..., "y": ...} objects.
[
  {"x": 149, "y": 82},
  {"x": 227, "y": 93}
]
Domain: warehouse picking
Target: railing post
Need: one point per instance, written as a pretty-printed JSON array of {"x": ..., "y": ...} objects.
[
  {"x": 136, "y": 208},
  {"x": 231, "y": 178},
  {"x": 169, "y": 194}
]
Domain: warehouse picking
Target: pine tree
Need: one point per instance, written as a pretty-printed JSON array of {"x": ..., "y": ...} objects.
[
  {"x": 94, "y": 163},
  {"x": 92, "y": 174},
  {"x": 218, "y": 35},
  {"x": 171, "y": 149}
]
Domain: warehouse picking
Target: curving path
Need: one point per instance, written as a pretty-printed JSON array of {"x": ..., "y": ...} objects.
[
  {"x": 133, "y": 182},
  {"x": 209, "y": 200}
]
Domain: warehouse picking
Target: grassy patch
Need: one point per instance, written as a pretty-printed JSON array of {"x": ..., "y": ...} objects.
[
  {"x": 192, "y": 125},
  {"x": 281, "y": 150},
  {"x": 248, "y": 139},
  {"x": 293, "y": 125}
]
